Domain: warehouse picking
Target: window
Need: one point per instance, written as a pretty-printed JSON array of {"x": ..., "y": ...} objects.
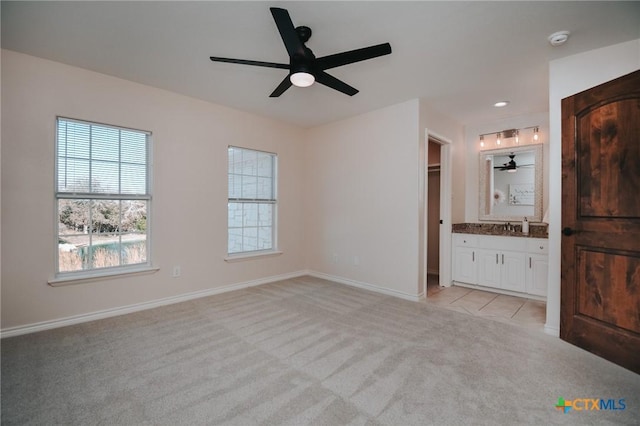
[
  {"x": 252, "y": 201},
  {"x": 102, "y": 195}
]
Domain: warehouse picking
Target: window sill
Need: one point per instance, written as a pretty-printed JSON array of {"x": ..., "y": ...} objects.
[
  {"x": 93, "y": 276},
  {"x": 251, "y": 255}
]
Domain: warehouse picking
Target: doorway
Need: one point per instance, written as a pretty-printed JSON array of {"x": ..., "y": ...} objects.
[
  {"x": 433, "y": 216},
  {"x": 435, "y": 211}
]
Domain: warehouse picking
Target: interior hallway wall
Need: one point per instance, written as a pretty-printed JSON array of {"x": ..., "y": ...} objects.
[{"x": 361, "y": 200}]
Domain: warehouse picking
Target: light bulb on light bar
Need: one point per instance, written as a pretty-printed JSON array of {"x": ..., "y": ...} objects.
[{"x": 302, "y": 79}]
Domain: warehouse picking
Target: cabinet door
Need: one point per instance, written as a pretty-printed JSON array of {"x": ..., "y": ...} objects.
[
  {"x": 537, "y": 271},
  {"x": 464, "y": 265},
  {"x": 488, "y": 268},
  {"x": 513, "y": 271}
]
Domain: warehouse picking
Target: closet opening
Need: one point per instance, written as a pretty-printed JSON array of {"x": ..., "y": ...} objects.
[
  {"x": 435, "y": 213},
  {"x": 433, "y": 216}
]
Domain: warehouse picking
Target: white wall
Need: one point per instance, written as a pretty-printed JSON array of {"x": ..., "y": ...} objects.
[
  {"x": 190, "y": 139},
  {"x": 363, "y": 208},
  {"x": 472, "y": 151},
  {"x": 568, "y": 76},
  {"x": 361, "y": 198}
]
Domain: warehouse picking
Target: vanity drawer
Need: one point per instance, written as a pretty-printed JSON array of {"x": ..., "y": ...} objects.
[
  {"x": 465, "y": 240},
  {"x": 496, "y": 242},
  {"x": 538, "y": 245}
]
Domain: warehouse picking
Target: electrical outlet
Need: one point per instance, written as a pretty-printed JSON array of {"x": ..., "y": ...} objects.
[
  {"x": 176, "y": 271},
  {"x": 334, "y": 258},
  {"x": 356, "y": 260}
]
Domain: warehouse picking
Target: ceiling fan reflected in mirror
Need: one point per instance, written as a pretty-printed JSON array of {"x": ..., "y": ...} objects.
[
  {"x": 511, "y": 166},
  {"x": 304, "y": 68}
]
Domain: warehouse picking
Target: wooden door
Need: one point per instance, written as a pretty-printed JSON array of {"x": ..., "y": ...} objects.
[{"x": 600, "y": 294}]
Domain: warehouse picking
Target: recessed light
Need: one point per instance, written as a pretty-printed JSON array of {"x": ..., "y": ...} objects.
[
  {"x": 501, "y": 104},
  {"x": 558, "y": 38}
]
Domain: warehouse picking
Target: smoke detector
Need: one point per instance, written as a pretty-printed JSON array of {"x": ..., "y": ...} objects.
[{"x": 559, "y": 38}]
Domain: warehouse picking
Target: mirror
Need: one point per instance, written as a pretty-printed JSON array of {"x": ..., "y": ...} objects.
[{"x": 511, "y": 184}]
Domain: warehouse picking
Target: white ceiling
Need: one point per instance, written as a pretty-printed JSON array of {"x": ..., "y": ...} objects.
[{"x": 460, "y": 57}]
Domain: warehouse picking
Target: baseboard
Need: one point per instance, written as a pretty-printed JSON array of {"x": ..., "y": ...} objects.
[
  {"x": 502, "y": 291},
  {"x": 366, "y": 286},
  {"x": 553, "y": 331},
  {"x": 92, "y": 316}
]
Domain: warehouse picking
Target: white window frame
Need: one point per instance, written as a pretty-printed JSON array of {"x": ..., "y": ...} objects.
[
  {"x": 89, "y": 274},
  {"x": 248, "y": 254}
]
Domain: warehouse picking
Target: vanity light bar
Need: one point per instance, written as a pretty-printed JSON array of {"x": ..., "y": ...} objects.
[{"x": 509, "y": 133}]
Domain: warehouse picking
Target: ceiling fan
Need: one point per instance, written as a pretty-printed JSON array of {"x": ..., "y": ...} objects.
[
  {"x": 304, "y": 68},
  {"x": 511, "y": 166}
]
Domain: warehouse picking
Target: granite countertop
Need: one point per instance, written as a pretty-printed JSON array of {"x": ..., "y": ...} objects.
[{"x": 535, "y": 230}]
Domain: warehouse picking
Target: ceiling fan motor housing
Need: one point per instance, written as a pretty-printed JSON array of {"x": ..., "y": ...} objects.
[
  {"x": 304, "y": 33},
  {"x": 304, "y": 69},
  {"x": 303, "y": 63}
]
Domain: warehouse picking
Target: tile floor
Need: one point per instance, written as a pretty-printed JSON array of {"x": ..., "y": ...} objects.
[{"x": 500, "y": 307}]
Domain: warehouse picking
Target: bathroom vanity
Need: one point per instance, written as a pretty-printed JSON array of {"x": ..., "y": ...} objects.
[
  {"x": 499, "y": 256},
  {"x": 511, "y": 263}
]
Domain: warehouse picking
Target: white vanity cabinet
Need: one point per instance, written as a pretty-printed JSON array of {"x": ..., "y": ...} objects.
[
  {"x": 537, "y": 267},
  {"x": 501, "y": 269},
  {"x": 511, "y": 264},
  {"x": 464, "y": 258},
  {"x": 488, "y": 268}
]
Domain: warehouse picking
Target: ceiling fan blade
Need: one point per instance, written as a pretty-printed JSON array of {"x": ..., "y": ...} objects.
[
  {"x": 344, "y": 58},
  {"x": 287, "y": 32},
  {"x": 247, "y": 62},
  {"x": 330, "y": 81},
  {"x": 282, "y": 87}
]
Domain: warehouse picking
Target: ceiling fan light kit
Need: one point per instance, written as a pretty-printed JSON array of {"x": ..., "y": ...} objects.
[
  {"x": 302, "y": 79},
  {"x": 304, "y": 68}
]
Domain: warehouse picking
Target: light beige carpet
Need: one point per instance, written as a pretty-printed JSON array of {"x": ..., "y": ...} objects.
[{"x": 304, "y": 351}]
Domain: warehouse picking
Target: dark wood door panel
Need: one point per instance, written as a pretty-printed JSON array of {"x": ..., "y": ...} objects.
[
  {"x": 608, "y": 149},
  {"x": 600, "y": 270},
  {"x": 617, "y": 346},
  {"x": 607, "y": 287}
]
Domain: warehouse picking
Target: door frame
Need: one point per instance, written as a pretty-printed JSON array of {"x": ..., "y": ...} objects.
[{"x": 445, "y": 208}]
